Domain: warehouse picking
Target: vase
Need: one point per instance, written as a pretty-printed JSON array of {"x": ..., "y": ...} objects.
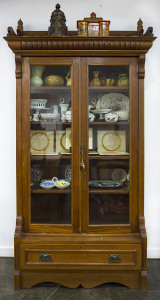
[
  {"x": 64, "y": 108},
  {"x": 95, "y": 81},
  {"x": 54, "y": 80},
  {"x": 36, "y": 72}
]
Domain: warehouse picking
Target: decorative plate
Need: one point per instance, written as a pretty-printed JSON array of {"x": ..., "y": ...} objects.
[
  {"x": 36, "y": 176},
  {"x": 111, "y": 141},
  {"x": 113, "y": 101},
  {"x": 119, "y": 174},
  {"x": 61, "y": 142},
  {"x": 109, "y": 184},
  {"x": 68, "y": 174},
  {"x": 69, "y": 137},
  {"x": 41, "y": 142}
]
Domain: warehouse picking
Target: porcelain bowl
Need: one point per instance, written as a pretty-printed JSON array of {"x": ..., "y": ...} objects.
[
  {"x": 51, "y": 116},
  {"x": 62, "y": 184},
  {"x": 47, "y": 184},
  {"x": 38, "y": 103}
]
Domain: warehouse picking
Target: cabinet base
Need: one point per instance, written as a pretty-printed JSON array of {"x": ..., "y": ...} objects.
[{"x": 87, "y": 279}]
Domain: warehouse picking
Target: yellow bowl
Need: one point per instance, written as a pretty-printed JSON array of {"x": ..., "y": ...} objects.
[
  {"x": 54, "y": 80},
  {"x": 62, "y": 184}
]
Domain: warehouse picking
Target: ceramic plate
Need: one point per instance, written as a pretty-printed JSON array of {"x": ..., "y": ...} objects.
[
  {"x": 61, "y": 141},
  {"x": 68, "y": 138},
  {"x": 114, "y": 101},
  {"x": 68, "y": 174},
  {"x": 109, "y": 184},
  {"x": 119, "y": 174},
  {"x": 111, "y": 141},
  {"x": 36, "y": 176},
  {"x": 41, "y": 142}
]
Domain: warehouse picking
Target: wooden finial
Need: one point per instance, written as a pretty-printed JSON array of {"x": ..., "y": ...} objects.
[
  {"x": 140, "y": 27},
  {"x": 20, "y": 27}
]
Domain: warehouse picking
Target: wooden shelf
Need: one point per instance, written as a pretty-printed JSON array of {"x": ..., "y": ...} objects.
[
  {"x": 51, "y": 157},
  {"x": 102, "y": 123},
  {"x": 68, "y": 156},
  {"x": 107, "y": 191},
  {"x": 49, "y": 89},
  {"x": 109, "y": 157},
  {"x": 50, "y": 191},
  {"x": 108, "y": 88},
  {"x": 42, "y": 122}
]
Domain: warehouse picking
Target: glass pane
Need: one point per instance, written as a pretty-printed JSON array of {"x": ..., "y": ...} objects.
[
  {"x": 109, "y": 157},
  {"x": 50, "y": 144}
]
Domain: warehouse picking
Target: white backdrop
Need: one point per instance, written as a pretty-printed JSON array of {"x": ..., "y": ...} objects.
[{"x": 35, "y": 15}]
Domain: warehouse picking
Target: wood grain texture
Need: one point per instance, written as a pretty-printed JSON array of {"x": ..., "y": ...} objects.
[
  {"x": 80, "y": 251},
  {"x": 88, "y": 279}
]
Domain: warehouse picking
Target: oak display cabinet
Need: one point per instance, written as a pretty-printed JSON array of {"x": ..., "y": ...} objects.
[{"x": 93, "y": 231}]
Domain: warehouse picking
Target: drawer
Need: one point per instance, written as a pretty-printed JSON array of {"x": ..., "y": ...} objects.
[{"x": 111, "y": 257}]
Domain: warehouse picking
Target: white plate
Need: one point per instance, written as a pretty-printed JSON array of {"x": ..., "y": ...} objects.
[
  {"x": 68, "y": 138},
  {"x": 111, "y": 141},
  {"x": 113, "y": 101},
  {"x": 61, "y": 141},
  {"x": 41, "y": 142}
]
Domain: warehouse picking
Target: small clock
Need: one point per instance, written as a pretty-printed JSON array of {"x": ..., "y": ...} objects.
[{"x": 93, "y": 26}]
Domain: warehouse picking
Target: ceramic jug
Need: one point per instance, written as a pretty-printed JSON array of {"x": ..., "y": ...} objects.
[{"x": 95, "y": 81}]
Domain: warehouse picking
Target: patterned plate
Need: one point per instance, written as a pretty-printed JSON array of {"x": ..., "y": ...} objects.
[
  {"x": 68, "y": 174},
  {"x": 109, "y": 184},
  {"x": 119, "y": 174}
]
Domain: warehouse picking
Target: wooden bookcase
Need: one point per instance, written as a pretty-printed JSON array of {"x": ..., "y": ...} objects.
[{"x": 85, "y": 234}]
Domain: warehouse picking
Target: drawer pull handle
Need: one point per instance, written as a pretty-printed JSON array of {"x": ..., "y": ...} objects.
[
  {"x": 114, "y": 259},
  {"x": 45, "y": 257}
]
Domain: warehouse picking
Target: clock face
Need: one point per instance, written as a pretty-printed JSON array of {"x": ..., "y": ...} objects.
[{"x": 93, "y": 29}]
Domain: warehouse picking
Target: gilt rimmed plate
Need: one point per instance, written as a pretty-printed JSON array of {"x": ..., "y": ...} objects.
[
  {"x": 119, "y": 174},
  {"x": 41, "y": 142}
]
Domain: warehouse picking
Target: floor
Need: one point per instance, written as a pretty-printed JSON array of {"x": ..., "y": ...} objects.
[{"x": 50, "y": 291}]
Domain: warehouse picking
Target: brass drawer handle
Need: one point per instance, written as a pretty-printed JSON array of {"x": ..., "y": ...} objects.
[
  {"x": 114, "y": 259},
  {"x": 45, "y": 257}
]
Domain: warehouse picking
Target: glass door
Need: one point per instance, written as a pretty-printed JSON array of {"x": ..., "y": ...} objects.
[
  {"x": 51, "y": 156},
  {"x": 112, "y": 151}
]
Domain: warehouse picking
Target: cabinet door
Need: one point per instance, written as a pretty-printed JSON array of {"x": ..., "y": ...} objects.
[
  {"x": 110, "y": 175},
  {"x": 50, "y": 144}
]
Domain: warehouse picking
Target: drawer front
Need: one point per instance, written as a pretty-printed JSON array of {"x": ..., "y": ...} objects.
[{"x": 113, "y": 257}]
